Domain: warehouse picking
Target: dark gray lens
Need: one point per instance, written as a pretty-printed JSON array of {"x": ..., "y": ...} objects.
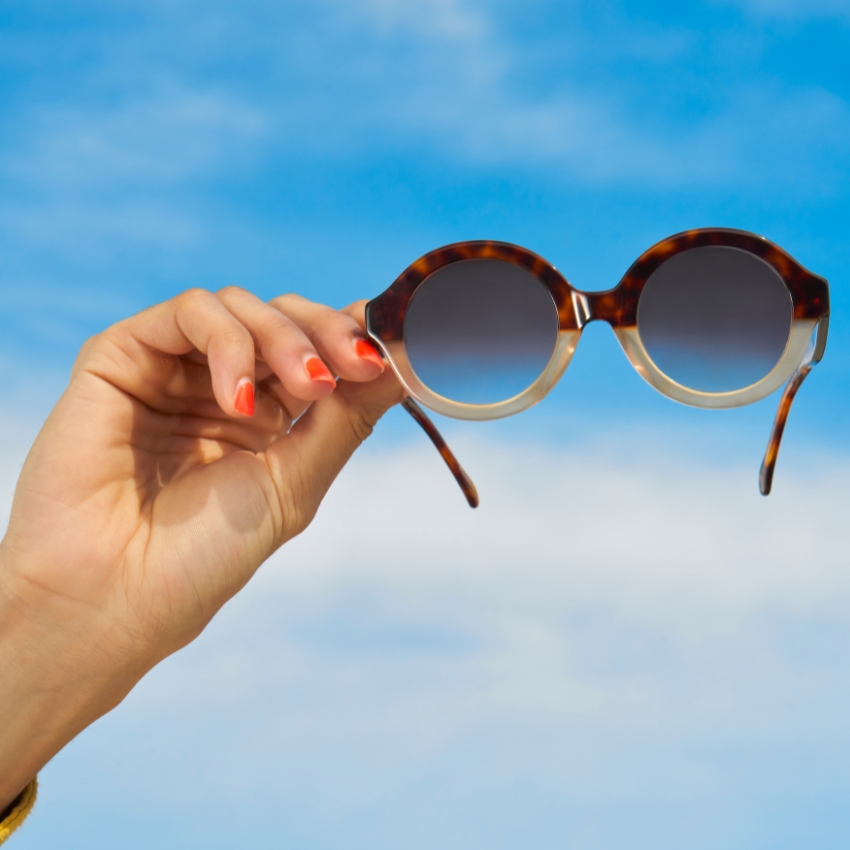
[
  {"x": 715, "y": 319},
  {"x": 480, "y": 331}
]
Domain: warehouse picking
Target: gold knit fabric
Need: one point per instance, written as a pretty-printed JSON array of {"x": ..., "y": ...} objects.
[{"x": 18, "y": 811}]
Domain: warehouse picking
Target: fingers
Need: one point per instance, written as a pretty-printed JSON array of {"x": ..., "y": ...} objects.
[
  {"x": 305, "y": 463},
  {"x": 134, "y": 354},
  {"x": 337, "y": 336},
  {"x": 233, "y": 348},
  {"x": 357, "y": 311},
  {"x": 282, "y": 345},
  {"x": 293, "y": 406},
  {"x": 174, "y": 436}
]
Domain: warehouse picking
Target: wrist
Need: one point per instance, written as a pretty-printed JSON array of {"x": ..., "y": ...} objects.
[{"x": 57, "y": 676}]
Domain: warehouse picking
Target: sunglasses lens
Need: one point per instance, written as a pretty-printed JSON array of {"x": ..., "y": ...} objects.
[
  {"x": 480, "y": 331},
  {"x": 715, "y": 319}
]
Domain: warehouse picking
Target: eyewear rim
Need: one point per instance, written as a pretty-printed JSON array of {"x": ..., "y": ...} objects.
[{"x": 618, "y": 307}]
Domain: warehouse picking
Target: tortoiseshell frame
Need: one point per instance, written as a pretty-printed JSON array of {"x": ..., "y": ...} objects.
[{"x": 618, "y": 306}]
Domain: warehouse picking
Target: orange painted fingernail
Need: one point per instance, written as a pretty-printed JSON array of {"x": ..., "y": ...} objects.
[
  {"x": 318, "y": 371},
  {"x": 366, "y": 351},
  {"x": 244, "y": 401}
]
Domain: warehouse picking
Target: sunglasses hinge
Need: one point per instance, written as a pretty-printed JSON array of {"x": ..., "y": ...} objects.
[{"x": 820, "y": 339}]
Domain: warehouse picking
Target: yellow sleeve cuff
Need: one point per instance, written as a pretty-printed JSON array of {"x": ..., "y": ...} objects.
[{"x": 17, "y": 813}]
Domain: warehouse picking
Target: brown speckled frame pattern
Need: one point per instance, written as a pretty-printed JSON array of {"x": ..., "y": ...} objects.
[
  {"x": 618, "y": 307},
  {"x": 469, "y": 489}
]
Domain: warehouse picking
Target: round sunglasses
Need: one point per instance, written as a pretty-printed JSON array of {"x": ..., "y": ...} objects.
[{"x": 712, "y": 318}]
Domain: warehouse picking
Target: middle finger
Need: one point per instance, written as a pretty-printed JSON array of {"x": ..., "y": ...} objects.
[{"x": 283, "y": 346}]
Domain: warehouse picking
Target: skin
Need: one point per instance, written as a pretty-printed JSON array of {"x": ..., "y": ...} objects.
[{"x": 148, "y": 500}]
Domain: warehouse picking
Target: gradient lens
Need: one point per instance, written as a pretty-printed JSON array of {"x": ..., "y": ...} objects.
[
  {"x": 480, "y": 331},
  {"x": 715, "y": 319}
]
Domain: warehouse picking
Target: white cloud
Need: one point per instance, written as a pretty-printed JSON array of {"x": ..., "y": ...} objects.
[
  {"x": 161, "y": 138},
  {"x": 454, "y": 77},
  {"x": 585, "y": 615},
  {"x": 77, "y": 226},
  {"x": 764, "y": 133},
  {"x": 447, "y": 78},
  {"x": 90, "y": 178},
  {"x": 450, "y": 20}
]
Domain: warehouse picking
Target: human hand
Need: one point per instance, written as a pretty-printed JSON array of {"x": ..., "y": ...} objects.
[{"x": 158, "y": 485}]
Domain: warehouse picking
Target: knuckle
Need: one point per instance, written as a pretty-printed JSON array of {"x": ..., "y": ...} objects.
[
  {"x": 234, "y": 337},
  {"x": 286, "y": 298},
  {"x": 293, "y": 518},
  {"x": 192, "y": 298},
  {"x": 231, "y": 292},
  {"x": 357, "y": 312},
  {"x": 91, "y": 343},
  {"x": 86, "y": 351},
  {"x": 105, "y": 357},
  {"x": 361, "y": 421},
  {"x": 329, "y": 323},
  {"x": 289, "y": 500},
  {"x": 276, "y": 324}
]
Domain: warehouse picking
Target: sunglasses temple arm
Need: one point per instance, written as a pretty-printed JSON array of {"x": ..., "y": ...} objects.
[
  {"x": 769, "y": 463},
  {"x": 430, "y": 429},
  {"x": 816, "y": 353}
]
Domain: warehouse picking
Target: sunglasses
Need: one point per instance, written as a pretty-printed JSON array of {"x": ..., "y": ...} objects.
[{"x": 712, "y": 318}]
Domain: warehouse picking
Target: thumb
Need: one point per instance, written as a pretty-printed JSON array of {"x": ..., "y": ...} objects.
[{"x": 305, "y": 462}]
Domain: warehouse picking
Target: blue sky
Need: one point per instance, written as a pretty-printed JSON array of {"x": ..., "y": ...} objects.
[
  {"x": 626, "y": 647},
  {"x": 322, "y": 147}
]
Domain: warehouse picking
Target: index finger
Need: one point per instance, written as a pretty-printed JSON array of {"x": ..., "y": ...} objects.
[
  {"x": 357, "y": 311},
  {"x": 195, "y": 319}
]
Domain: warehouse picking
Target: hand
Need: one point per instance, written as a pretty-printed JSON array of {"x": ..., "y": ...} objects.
[{"x": 167, "y": 473}]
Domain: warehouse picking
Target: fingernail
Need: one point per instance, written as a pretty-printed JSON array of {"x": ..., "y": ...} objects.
[
  {"x": 318, "y": 371},
  {"x": 366, "y": 351},
  {"x": 244, "y": 401}
]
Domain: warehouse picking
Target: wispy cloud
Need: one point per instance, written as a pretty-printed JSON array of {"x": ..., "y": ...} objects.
[
  {"x": 629, "y": 649},
  {"x": 446, "y": 20},
  {"x": 149, "y": 139},
  {"x": 586, "y": 617},
  {"x": 162, "y": 129},
  {"x": 88, "y": 177},
  {"x": 464, "y": 91},
  {"x": 444, "y": 76}
]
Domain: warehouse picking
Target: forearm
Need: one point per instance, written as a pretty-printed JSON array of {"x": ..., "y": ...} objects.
[{"x": 52, "y": 685}]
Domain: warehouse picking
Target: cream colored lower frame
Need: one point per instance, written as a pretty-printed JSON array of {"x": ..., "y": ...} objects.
[
  {"x": 796, "y": 348},
  {"x": 563, "y": 353}
]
